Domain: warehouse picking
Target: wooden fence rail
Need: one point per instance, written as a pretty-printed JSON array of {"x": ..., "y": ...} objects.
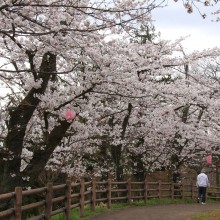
[{"x": 45, "y": 202}]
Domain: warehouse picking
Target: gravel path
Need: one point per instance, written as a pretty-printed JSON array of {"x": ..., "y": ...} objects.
[{"x": 162, "y": 212}]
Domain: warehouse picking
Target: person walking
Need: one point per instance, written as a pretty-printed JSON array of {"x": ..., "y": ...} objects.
[{"x": 202, "y": 184}]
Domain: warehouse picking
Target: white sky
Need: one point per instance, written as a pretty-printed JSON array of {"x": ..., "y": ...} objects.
[{"x": 174, "y": 21}]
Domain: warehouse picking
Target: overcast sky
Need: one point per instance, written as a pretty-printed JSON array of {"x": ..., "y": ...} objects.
[{"x": 174, "y": 21}]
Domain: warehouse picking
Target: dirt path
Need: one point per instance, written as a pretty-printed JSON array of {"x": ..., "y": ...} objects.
[{"x": 162, "y": 212}]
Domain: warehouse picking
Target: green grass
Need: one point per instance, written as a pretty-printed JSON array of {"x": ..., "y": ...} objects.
[
  {"x": 209, "y": 215},
  {"x": 75, "y": 214},
  {"x": 88, "y": 213}
]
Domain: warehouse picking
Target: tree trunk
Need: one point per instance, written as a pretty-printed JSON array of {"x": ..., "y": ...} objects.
[
  {"x": 116, "y": 151},
  {"x": 116, "y": 156},
  {"x": 41, "y": 156},
  {"x": 20, "y": 116}
]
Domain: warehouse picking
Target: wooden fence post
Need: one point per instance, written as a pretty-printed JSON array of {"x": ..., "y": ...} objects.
[
  {"x": 68, "y": 200},
  {"x": 182, "y": 191},
  {"x": 172, "y": 190},
  {"x": 192, "y": 190},
  {"x": 93, "y": 194},
  {"x": 145, "y": 190},
  {"x": 109, "y": 195},
  {"x": 129, "y": 191},
  {"x": 18, "y": 203},
  {"x": 49, "y": 196},
  {"x": 159, "y": 189},
  {"x": 82, "y": 197}
]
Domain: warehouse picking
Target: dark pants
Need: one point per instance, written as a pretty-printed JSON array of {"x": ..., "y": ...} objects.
[{"x": 202, "y": 193}]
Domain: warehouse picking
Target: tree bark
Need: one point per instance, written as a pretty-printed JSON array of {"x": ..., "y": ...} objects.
[
  {"x": 116, "y": 151},
  {"x": 41, "y": 156},
  {"x": 20, "y": 116}
]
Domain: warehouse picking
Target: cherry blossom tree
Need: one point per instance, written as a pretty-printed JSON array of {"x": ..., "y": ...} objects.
[
  {"x": 45, "y": 46},
  {"x": 163, "y": 129},
  {"x": 201, "y": 6},
  {"x": 79, "y": 56}
]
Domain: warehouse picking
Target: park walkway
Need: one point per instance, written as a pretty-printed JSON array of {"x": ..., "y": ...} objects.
[{"x": 162, "y": 212}]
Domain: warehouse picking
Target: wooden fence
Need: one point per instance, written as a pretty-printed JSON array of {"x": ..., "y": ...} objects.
[{"x": 54, "y": 199}]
